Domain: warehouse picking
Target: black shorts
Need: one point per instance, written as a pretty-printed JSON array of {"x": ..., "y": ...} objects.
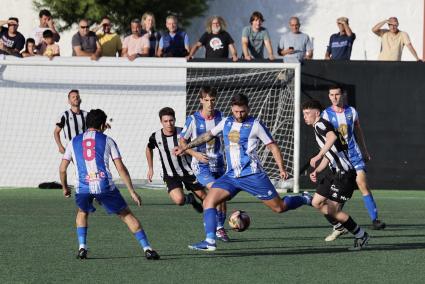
[
  {"x": 337, "y": 187},
  {"x": 190, "y": 183}
]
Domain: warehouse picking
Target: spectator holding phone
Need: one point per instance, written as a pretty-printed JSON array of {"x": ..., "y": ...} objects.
[{"x": 294, "y": 45}]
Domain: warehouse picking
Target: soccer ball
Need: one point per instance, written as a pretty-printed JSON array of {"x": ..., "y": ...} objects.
[{"x": 239, "y": 221}]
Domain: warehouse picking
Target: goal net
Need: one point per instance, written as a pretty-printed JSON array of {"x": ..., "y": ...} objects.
[{"x": 273, "y": 92}]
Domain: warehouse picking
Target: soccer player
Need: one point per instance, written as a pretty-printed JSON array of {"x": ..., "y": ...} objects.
[
  {"x": 176, "y": 171},
  {"x": 71, "y": 121},
  {"x": 241, "y": 135},
  {"x": 345, "y": 120},
  {"x": 336, "y": 185},
  {"x": 90, "y": 152},
  {"x": 207, "y": 159}
]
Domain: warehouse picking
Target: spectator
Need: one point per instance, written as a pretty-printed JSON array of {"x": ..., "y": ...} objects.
[
  {"x": 46, "y": 23},
  {"x": 85, "y": 43},
  {"x": 341, "y": 43},
  {"x": 29, "y": 48},
  {"x": 393, "y": 40},
  {"x": 135, "y": 44},
  {"x": 255, "y": 37},
  {"x": 109, "y": 42},
  {"x": 216, "y": 40},
  {"x": 294, "y": 45},
  {"x": 175, "y": 42},
  {"x": 148, "y": 27},
  {"x": 11, "y": 41},
  {"x": 48, "y": 47}
]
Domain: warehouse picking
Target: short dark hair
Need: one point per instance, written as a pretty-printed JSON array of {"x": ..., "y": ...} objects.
[
  {"x": 44, "y": 12},
  {"x": 312, "y": 104},
  {"x": 73, "y": 91},
  {"x": 256, "y": 15},
  {"x": 47, "y": 34},
  {"x": 335, "y": 86},
  {"x": 166, "y": 111},
  {"x": 96, "y": 118},
  {"x": 207, "y": 91},
  {"x": 240, "y": 100},
  {"x": 136, "y": 21},
  {"x": 14, "y": 19}
]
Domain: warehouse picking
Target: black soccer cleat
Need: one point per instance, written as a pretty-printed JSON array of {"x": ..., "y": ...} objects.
[
  {"x": 151, "y": 255},
  {"x": 82, "y": 253},
  {"x": 360, "y": 243},
  {"x": 378, "y": 225},
  {"x": 195, "y": 204}
]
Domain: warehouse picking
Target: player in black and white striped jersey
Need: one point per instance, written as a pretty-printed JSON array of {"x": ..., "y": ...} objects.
[
  {"x": 176, "y": 170},
  {"x": 335, "y": 186},
  {"x": 71, "y": 121}
]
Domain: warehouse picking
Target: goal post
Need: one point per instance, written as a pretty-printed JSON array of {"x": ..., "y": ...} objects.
[
  {"x": 34, "y": 92},
  {"x": 274, "y": 93}
]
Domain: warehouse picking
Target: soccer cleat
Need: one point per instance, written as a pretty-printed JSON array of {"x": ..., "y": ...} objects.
[
  {"x": 335, "y": 235},
  {"x": 378, "y": 225},
  {"x": 82, "y": 253},
  {"x": 203, "y": 246},
  {"x": 308, "y": 197},
  {"x": 197, "y": 206},
  {"x": 360, "y": 243},
  {"x": 222, "y": 235},
  {"x": 151, "y": 255}
]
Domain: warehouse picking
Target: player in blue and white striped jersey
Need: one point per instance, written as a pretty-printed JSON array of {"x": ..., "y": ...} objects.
[
  {"x": 207, "y": 159},
  {"x": 91, "y": 152},
  {"x": 345, "y": 120},
  {"x": 241, "y": 135}
]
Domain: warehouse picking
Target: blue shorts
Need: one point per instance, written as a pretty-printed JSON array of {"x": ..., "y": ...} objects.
[
  {"x": 112, "y": 201},
  {"x": 259, "y": 185},
  {"x": 205, "y": 176},
  {"x": 358, "y": 162}
]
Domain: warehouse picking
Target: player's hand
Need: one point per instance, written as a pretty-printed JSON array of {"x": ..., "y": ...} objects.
[
  {"x": 271, "y": 57},
  {"x": 94, "y": 57},
  {"x": 314, "y": 160},
  {"x": 177, "y": 151},
  {"x": 132, "y": 57},
  {"x": 313, "y": 176},
  {"x": 61, "y": 150},
  {"x": 283, "y": 174},
  {"x": 201, "y": 157},
  {"x": 248, "y": 58},
  {"x": 150, "y": 175},
  {"x": 136, "y": 198},
  {"x": 367, "y": 157},
  {"x": 234, "y": 58},
  {"x": 66, "y": 192}
]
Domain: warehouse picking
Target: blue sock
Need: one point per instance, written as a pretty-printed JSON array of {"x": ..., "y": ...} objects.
[
  {"x": 82, "y": 236},
  {"x": 210, "y": 223},
  {"x": 293, "y": 202},
  {"x": 221, "y": 218},
  {"x": 143, "y": 239},
  {"x": 370, "y": 205}
]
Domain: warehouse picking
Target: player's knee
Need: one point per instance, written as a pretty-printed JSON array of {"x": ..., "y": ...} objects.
[{"x": 317, "y": 203}]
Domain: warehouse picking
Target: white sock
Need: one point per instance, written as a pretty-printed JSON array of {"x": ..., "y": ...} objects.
[
  {"x": 84, "y": 246},
  {"x": 210, "y": 241},
  {"x": 147, "y": 248}
]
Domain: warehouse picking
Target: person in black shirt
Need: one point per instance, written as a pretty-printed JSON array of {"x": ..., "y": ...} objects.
[
  {"x": 336, "y": 185},
  {"x": 216, "y": 40},
  {"x": 11, "y": 41}
]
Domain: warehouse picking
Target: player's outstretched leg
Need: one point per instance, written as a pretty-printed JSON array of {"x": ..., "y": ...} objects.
[{"x": 135, "y": 227}]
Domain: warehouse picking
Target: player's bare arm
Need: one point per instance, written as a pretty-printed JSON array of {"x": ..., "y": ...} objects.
[
  {"x": 358, "y": 133},
  {"x": 330, "y": 140},
  {"x": 277, "y": 155},
  {"x": 56, "y": 134},
  {"x": 202, "y": 139},
  {"x": 125, "y": 176},
  {"x": 149, "y": 159},
  {"x": 201, "y": 157},
  {"x": 323, "y": 164},
  {"x": 64, "y": 181}
]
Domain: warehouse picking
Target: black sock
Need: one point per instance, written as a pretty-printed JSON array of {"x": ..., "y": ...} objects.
[
  {"x": 352, "y": 227},
  {"x": 331, "y": 220}
]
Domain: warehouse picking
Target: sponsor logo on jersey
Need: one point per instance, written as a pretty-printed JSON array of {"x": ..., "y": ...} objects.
[
  {"x": 95, "y": 176},
  {"x": 201, "y": 126}
]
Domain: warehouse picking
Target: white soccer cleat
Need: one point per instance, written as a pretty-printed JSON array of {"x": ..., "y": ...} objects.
[{"x": 335, "y": 235}]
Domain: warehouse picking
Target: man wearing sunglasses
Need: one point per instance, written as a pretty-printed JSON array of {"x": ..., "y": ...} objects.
[
  {"x": 85, "y": 43},
  {"x": 11, "y": 41},
  {"x": 393, "y": 40}
]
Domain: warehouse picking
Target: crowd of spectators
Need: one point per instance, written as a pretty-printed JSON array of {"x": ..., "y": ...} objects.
[{"x": 146, "y": 40}]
